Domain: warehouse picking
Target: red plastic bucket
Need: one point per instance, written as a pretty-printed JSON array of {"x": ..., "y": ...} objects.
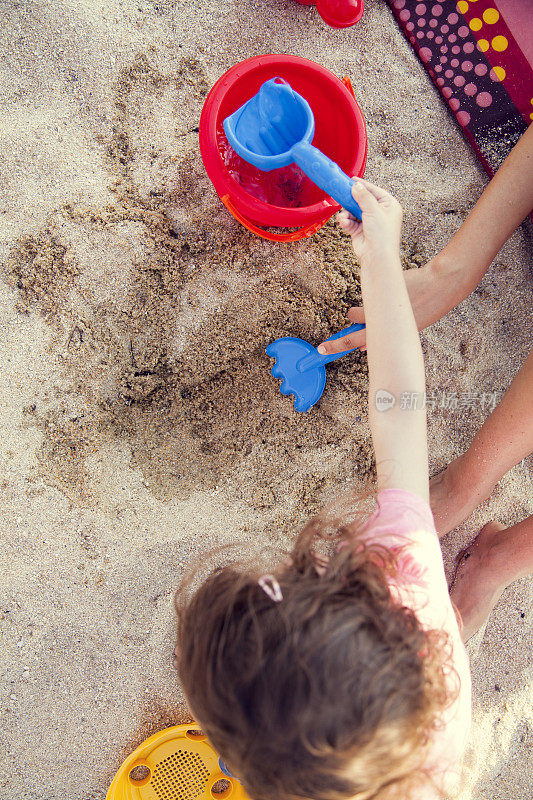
[{"x": 339, "y": 132}]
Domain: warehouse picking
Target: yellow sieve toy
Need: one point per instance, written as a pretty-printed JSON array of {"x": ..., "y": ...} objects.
[{"x": 177, "y": 763}]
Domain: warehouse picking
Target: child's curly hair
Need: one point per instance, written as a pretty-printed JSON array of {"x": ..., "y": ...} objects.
[{"x": 331, "y": 693}]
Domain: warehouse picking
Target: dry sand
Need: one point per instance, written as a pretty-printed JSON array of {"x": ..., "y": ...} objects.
[{"x": 139, "y": 420}]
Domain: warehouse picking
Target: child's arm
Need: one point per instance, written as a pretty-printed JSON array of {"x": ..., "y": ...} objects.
[
  {"x": 396, "y": 367},
  {"x": 456, "y": 271}
]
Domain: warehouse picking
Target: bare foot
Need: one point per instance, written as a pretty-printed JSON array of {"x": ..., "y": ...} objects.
[
  {"x": 479, "y": 579},
  {"x": 453, "y": 496}
]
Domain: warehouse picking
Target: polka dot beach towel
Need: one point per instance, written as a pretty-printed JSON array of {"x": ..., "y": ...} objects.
[{"x": 479, "y": 55}]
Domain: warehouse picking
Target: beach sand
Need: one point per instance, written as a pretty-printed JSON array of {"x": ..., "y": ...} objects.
[{"x": 140, "y": 424}]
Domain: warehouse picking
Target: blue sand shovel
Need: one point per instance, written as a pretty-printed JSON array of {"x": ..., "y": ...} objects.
[
  {"x": 302, "y": 368},
  {"x": 275, "y": 128}
]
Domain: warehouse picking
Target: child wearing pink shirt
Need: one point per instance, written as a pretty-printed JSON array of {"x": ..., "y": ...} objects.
[
  {"x": 497, "y": 556},
  {"x": 344, "y": 678}
]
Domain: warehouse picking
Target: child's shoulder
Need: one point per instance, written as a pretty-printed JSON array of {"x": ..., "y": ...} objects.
[
  {"x": 403, "y": 509},
  {"x": 402, "y": 521}
]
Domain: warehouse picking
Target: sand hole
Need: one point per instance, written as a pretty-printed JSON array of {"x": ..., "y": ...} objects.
[
  {"x": 221, "y": 789},
  {"x": 195, "y": 733},
  {"x": 139, "y": 774}
]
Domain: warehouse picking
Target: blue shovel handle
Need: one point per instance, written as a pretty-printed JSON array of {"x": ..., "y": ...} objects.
[
  {"x": 327, "y": 175},
  {"x": 315, "y": 359}
]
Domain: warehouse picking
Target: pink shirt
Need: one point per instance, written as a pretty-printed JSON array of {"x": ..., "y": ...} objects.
[{"x": 403, "y": 522}]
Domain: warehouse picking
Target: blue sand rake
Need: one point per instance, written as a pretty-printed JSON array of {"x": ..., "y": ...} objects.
[
  {"x": 301, "y": 367},
  {"x": 275, "y": 128}
]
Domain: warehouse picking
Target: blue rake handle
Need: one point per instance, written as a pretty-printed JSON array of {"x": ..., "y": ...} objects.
[
  {"x": 317, "y": 360},
  {"x": 327, "y": 175}
]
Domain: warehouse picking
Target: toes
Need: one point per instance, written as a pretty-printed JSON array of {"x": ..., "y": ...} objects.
[
  {"x": 460, "y": 559},
  {"x": 463, "y": 554},
  {"x": 493, "y": 526}
]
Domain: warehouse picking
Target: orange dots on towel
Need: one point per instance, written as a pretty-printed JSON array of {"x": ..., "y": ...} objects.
[
  {"x": 490, "y": 16},
  {"x": 475, "y": 24},
  {"x": 483, "y": 45},
  {"x": 497, "y": 74},
  {"x": 462, "y": 6},
  {"x": 499, "y": 43}
]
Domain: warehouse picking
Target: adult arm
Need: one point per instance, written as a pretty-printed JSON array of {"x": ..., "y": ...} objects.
[{"x": 456, "y": 271}]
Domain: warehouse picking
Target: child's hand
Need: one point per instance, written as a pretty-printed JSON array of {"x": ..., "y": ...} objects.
[{"x": 379, "y": 230}]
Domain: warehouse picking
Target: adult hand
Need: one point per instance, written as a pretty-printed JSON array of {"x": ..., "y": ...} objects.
[{"x": 433, "y": 291}]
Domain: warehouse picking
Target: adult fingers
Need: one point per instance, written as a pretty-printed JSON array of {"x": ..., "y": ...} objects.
[
  {"x": 350, "y": 342},
  {"x": 357, "y": 314}
]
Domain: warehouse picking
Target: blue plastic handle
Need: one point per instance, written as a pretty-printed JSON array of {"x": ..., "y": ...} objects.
[
  {"x": 317, "y": 360},
  {"x": 326, "y": 174},
  {"x": 224, "y": 768}
]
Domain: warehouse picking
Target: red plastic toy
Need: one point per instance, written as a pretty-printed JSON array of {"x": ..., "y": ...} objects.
[
  {"x": 263, "y": 199},
  {"x": 337, "y": 13}
]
